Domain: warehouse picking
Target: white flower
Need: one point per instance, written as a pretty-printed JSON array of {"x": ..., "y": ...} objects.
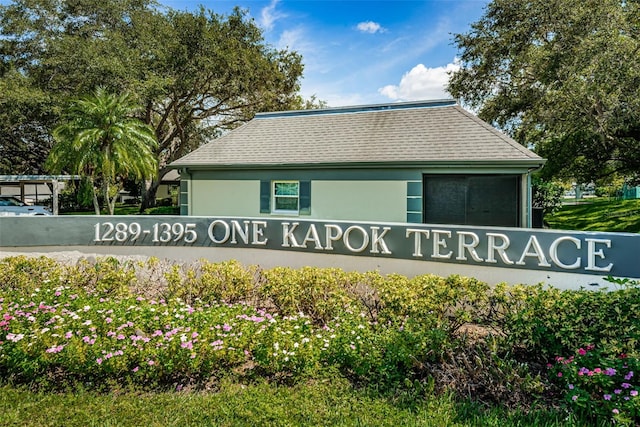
[{"x": 14, "y": 337}]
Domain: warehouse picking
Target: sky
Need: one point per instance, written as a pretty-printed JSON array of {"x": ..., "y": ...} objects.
[{"x": 362, "y": 52}]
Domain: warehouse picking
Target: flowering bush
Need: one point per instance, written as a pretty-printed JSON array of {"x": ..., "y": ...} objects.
[
  {"x": 599, "y": 387},
  {"x": 61, "y": 333},
  {"x": 109, "y": 322}
]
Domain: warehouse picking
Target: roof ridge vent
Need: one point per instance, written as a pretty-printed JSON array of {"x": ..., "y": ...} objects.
[{"x": 360, "y": 108}]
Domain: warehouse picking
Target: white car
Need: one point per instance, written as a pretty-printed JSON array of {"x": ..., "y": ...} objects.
[{"x": 10, "y": 206}]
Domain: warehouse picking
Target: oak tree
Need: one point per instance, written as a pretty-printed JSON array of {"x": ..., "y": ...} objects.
[
  {"x": 195, "y": 74},
  {"x": 561, "y": 76}
]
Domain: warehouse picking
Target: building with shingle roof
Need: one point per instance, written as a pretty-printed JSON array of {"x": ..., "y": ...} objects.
[{"x": 428, "y": 161}]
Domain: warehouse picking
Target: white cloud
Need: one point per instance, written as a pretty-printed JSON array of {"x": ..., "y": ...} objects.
[
  {"x": 269, "y": 15},
  {"x": 290, "y": 39},
  {"x": 370, "y": 27},
  {"x": 421, "y": 83}
]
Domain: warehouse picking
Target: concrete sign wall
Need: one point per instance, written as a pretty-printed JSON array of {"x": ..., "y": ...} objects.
[{"x": 562, "y": 258}]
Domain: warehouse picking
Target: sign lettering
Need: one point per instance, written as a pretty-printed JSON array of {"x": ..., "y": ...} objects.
[{"x": 577, "y": 252}]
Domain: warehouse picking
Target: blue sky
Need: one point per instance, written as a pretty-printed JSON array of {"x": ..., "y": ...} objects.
[{"x": 362, "y": 52}]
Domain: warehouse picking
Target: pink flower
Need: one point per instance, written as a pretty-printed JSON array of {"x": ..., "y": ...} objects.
[
  {"x": 633, "y": 392},
  {"x": 226, "y": 327},
  {"x": 55, "y": 349},
  {"x": 108, "y": 320},
  {"x": 151, "y": 362},
  {"x": 582, "y": 351},
  {"x": 135, "y": 369},
  {"x": 615, "y": 411},
  {"x": 99, "y": 360},
  {"x": 559, "y": 374}
]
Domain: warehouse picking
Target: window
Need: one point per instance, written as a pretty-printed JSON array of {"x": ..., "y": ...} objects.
[
  {"x": 286, "y": 196},
  {"x": 290, "y": 197}
]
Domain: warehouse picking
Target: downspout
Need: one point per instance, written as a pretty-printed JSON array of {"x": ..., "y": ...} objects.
[
  {"x": 530, "y": 195},
  {"x": 529, "y": 200}
]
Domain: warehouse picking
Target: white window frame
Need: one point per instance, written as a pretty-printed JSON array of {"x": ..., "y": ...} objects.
[{"x": 274, "y": 197}]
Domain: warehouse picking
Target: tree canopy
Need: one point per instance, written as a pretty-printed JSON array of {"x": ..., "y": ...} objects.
[
  {"x": 195, "y": 74},
  {"x": 100, "y": 140},
  {"x": 561, "y": 76}
]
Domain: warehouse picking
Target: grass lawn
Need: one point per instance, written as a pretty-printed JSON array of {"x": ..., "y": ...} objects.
[
  {"x": 334, "y": 403},
  {"x": 598, "y": 215}
]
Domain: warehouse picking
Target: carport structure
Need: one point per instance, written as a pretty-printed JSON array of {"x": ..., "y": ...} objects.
[{"x": 35, "y": 186}]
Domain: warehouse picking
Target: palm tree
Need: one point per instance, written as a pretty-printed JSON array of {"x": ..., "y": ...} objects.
[{"x": 101, "y": 140}]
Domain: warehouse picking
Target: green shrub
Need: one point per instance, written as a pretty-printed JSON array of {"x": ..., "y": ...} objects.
[
  {"x": 26, "y": 274},
  {"x": 453, "y": 301},
  {"x": 547, "y": 321},
  {"x": 105, "y": 276},
  {"x": 227, "y": 281},
  {"x": 316, "y": 292}
]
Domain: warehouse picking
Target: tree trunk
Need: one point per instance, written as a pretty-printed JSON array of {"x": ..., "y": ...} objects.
[
  {"x": 149, "y": 196},
  {"x": 96, "y": 204},
  {"x": 112, "y": 204}
]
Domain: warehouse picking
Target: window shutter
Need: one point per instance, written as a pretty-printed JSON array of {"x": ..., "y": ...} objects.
[
  {"x": 305, "y": 197},
  {"x": 265, "y": 196}
]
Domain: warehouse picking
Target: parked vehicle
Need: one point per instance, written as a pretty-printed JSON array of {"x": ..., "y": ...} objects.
[{"x": 10, "y": 206}]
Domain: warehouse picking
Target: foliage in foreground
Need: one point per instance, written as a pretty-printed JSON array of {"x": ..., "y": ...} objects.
[{"x": 103, "y": 323}]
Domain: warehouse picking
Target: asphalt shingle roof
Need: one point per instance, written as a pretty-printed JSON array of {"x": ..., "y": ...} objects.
[{"x": 435, "y": 131}]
